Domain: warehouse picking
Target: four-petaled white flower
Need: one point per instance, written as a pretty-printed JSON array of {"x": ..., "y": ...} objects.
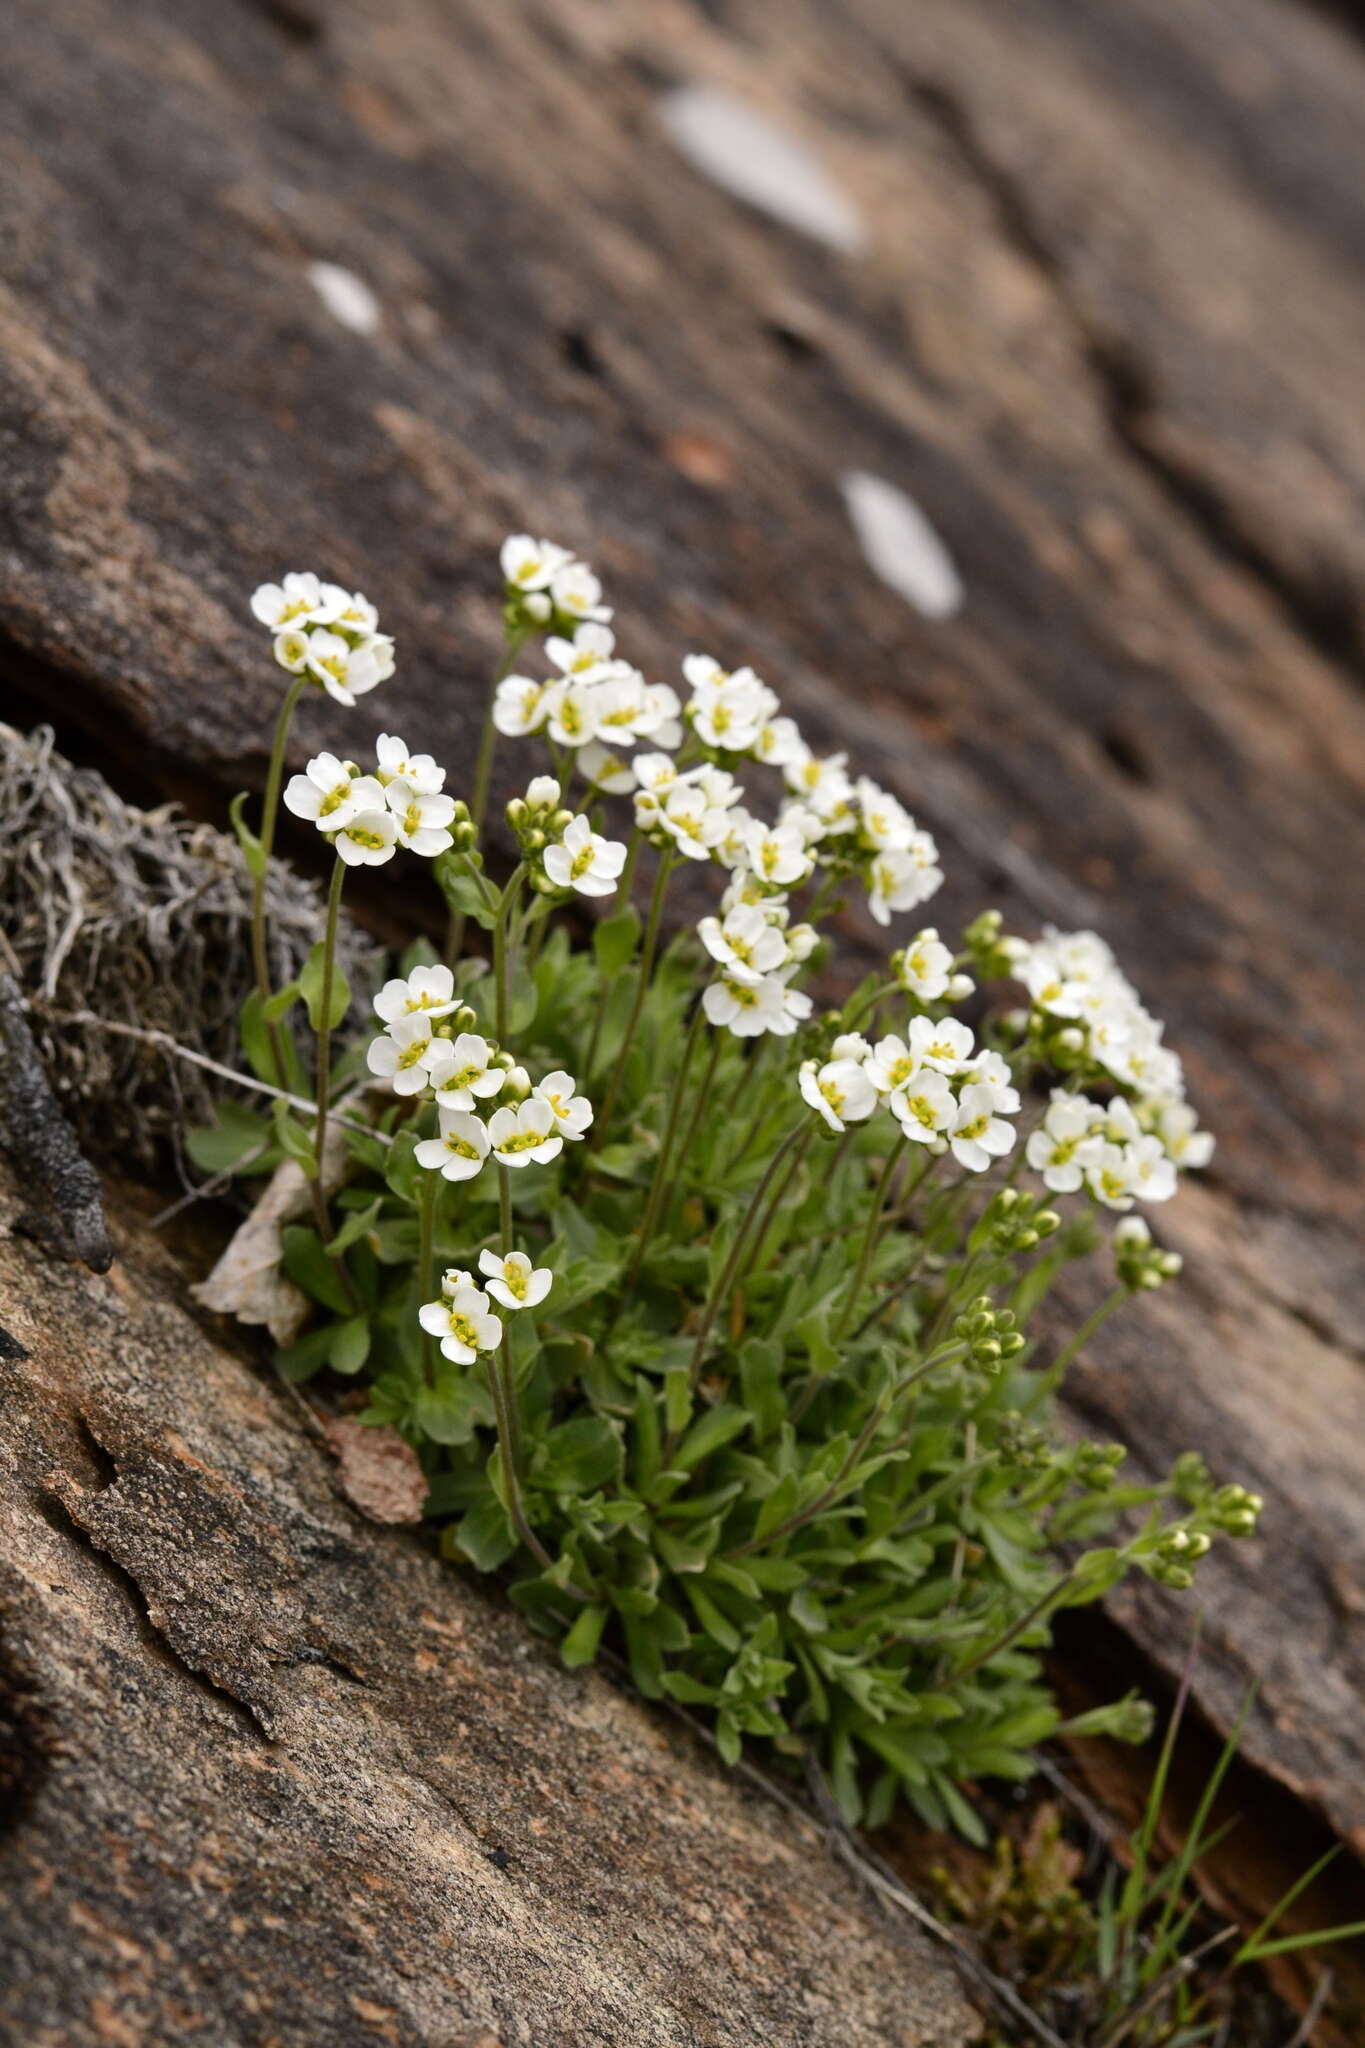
[
  {"x": 514, "y": 1282},
  {"x": 572, "y": 1113},
  {"x": 745, "y": 943},
  {"x": 297, "y": 601},
  {"x": 902, "y": 876},
  {"x": 584, "y": 861},
  {"x": 429, "y": 989},
  {"x": 410, "y": 1055},
  {"x": 529, "y": 564},
  {"x": 777, "y": 855},
  {"x": 421, "y": 819},
  {"x": 345, "y": 672},
  {"x": 924, "y": 1106},
  {"x": 747, "y": 1009},
  {"x": 977, "y": 1134},
  {"x": 587, "y": 655},
  {"x": 462, "y": 1321},
  {"x": 946, "y": 1045},
  {"x": 926, "y": 966},
  {"x": 841, "y": 1091},
  {"x": 330, "y": 795},
  {"x": 418, "y": 770},
  {"x": 368, "y": 840},
  {"x": 520, "y": 706},
  {"x": 460, "y": 1150},
  {"x": 528, "y": 1132},
  {"x": 1108, "y": 1178},
  {"x": 470, "y": 1075},
  {"x": 577, "y": 594}
]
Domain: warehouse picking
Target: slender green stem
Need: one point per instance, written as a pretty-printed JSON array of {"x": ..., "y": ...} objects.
[
  {"x": 651, "y": 940},
  {"x": 1053, "y": 1376},
  {"x": 324, "y": 1068},
  {"x": 694, "y": 1122},
  {"x": 720, "y": 1293},
  {"x": 870, "y": 1236},
  {"x": 865, "y": 1009},
  {"x": 1040, "y": 1607},
  {"x": 659, "y": 1181},
  {"x": 501, "y": 949},
  {"x": 260, "y": 954},
  {"x": 483, "y": 770},
  {"x": 772, "y": 1222}
]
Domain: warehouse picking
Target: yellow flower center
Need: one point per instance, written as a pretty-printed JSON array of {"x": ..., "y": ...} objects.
[{"x": 922, "y": 1110}]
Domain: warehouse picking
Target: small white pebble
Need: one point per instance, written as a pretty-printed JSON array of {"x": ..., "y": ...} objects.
[
  {"x": 347, "y": 297},
  {"x": 742, "y": 151},
  {"x": 901, "y": 546}
]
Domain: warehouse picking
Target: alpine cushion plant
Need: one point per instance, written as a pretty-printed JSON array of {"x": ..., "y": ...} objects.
[{"x": 713, "y": 1317}]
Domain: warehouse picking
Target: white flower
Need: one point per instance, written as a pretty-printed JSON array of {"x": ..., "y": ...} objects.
[
  {"x": 851, "y": 1045},
  {"x": 892, "y": 1064},
  {"x": 543, "y": 793},
  {"x": 902, "y": 876},
  {"x": 728, "y": 711},
  {"x": 779, "y": 741},
  {"x": 459, "y": 1152},
  {"x": 744, "y": 943},
  {"x": 417, "y": 769},
  {"x": 1132, "y": 1230},
  {"x": 336, "y": 666},
  {"x": 1064, "y": 1143},
  {"x": 369, "y": 840},
  {"x": 978, "y": 1135},
  {"x": 514, "y": 1281},
  {"x": 291, "y": 648},
  {"x": 1108, "y": 1178},
  {"x": 295, "y": 602},
  {"x": 1177, "y": 1126},
  {"x": 573, "y": 711},
  {"x": 572, "y": 1113},
  {"x": 926, "y": 966},
  {"x": 329, "y": 795},
  {"x": 588, "y": 655},
  {"x": 349, "y": 611},
  {"x": 840, "y": 1091},
  {"x": 795, "y": 817},
  {"x": 530, "y": 564},
  {"x": 463, "y": 1323},
  {"x": 409, "y": 1055},
  {"x": 777, "y": 855},
  {"x": 470, "y": 1075},
  {"x": 430, "y": 989},
  {"x": 823, "y": 785},
  {"x": 884, "y": 820},
  {"x": 747, "y": 1010},
  {"x": 525, "y": 1133},
  {"x": 694, "y": 825},
  {"x": 421, "y": 820},
  {"x": 992, "y": 1070},
  {"x": 520, "y": 706},
  {"x": 604, "y": 771},
  {"x": 946, "y": 1045},
  {"x": 924, "y": 1107},
  {"x": 584, "y": 861},
  {"x": 577, "y": 594},
  {"x": 1151, "y": 1175},
  {"x": 655, "y": 773}
]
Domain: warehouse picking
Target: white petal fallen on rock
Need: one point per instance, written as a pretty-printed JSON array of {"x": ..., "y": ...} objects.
[
  {"x": 901, "y": 546},
  {"x": 347, "y": 297},
  {"x": 742, "y": 151}
]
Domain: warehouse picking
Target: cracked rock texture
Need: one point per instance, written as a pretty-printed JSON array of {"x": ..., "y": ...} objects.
[
  {"x": 1105, "y": 328},
  {"x": 271, "y": 1775}
]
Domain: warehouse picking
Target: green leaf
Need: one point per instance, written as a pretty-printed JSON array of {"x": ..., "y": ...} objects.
[
  {"x": 485, "y": 1535},
  {"x": 281, "y": 1003},
  {"x": 237, "y": 1139},
  {"x": 293, "y": 1140},
  {"x": 256, "y": 1044},
  {"x": 577, "y": 1456},
  {"x": 358, "y": 1224},
  {"x": 462, "y": 892},
  {"x": 580, "y": 1644},
  {"x": 614, "y": 941},
  {"x": 715, "y": 1428},
  {"x": 310, "y": 986},
  {"x": 253, "y": 852},
  {"x": 307, "y": 1355},
  {"x": 760, "y": 1378},
  {"x": 350, "y": 1345},
  {"x": 677, "y": 1398},
  {"x": 308, "y": 1267}
]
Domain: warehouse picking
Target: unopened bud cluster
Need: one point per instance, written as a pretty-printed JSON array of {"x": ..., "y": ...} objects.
[
  {"x": 1018, "y": 1221},
  {"x": 988, "y": 1333},
  {"x": 1140, "y": 1263}
]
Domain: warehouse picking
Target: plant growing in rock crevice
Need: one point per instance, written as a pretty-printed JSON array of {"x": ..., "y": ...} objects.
[{"x": 711, "y": 1316}]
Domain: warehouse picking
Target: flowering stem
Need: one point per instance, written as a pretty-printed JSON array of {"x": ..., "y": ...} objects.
[
  {"x": 870, "y": 1237},
  {"x": 1040, "y": 1607},
  {"x": 659, "y": 1182},
  {"x": 506, "y": 903},
  {"x": 771, "y": 1220},
  {"x": 269, "y": 813},
  {"x": 324, "y": 1074},
  {"x": 694, "y": 1122},
  {"x": 1055, "y": 1371},
  {"x": 720, "y": 1293},
  {"x": 656, "y": 907},
  {"x": 488, "y": 736}
]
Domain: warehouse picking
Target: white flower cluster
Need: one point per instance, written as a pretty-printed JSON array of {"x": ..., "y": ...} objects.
[
  {"x": 758, "y": 952},
  {"x": 548, "y": 582},
  {"x": 1074, "y": 977},
  {"x": 328, "y": 633},
  {"x": 367, "y": 817},
  {"x": 462, "y": 1318},
  {"x": 463, "y": 1073},
  {"x": 594, "y": 703},
  {"x": 943, "y": 1090}
]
